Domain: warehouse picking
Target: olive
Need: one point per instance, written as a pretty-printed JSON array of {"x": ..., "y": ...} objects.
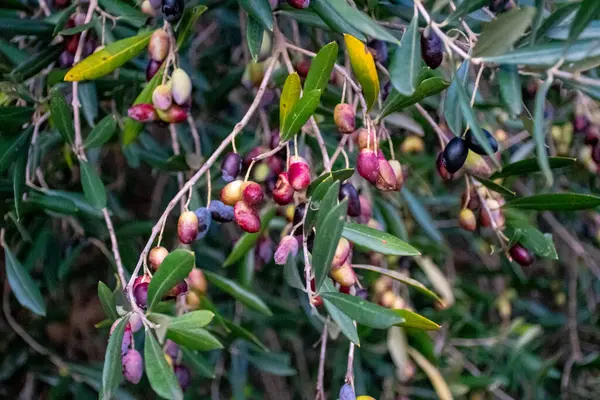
[
  {"x": 474, "y": 144},
  {"x": 454, "y": 155},
  {"x": 521, "y": 255},
  {"x": 432, "y": 49},
  {"x": 231, "y": 166},
  {"x": 348, "y": 191},
  {"x": 173, "y": 10}
]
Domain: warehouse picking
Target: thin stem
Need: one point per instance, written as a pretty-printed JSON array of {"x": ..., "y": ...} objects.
[
  {"x": 115, "y": 247},
  {"x": 177, "y": 151},
  {"x": 321, "y": 373}
]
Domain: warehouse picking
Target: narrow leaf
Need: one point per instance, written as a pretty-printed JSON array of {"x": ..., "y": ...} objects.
[
  {"x": 539, "y": 131},
  {"x": 378, "y": 241},
  {"x": 61, "y": 116},
  {"x": 194, "y": 338},
  {"x": 499, "y": 35},
  {"x": 160, "y": 374},
  {"x": 452, "y": 111},
  {"x": 396, "y": 102},
  {"x": 13, "y": 118},
  {"x": 333, "y": 19},
  {"x": 400, "y": 278},
  {"x": 102, "y": 132},
  {"x": 362, "y": 21},
  {"x": 194, "y": 319},
  {"x": 187, "y": 23},
  {"x": 93, "y": 188},
  {"x": 321, "y": 67},
  {"x": 289, "y": 97},
  {"x": 510, "y": 88},
  {"x": 326, "y": 240},
  {"x": 435, "y": 377},
  {"x": 112, "y": 371},
  {"x": 339, "y": 175},
  {"x": 344, "y": 322},
  {"x": 24, "y": 288},
  {"x": 526, "y": 167},
  {"x": 531, "y": 238},
  {"x": 259, "y": 9},
  {"x": 300, "y": 113},
  {"x": 405, "y": 65},
  {"x": 174, "y": 268},
  {"x": 254, "y": 37},
  {"x": 238, "y": 292},
  {"x": 588, "y": 11},
  {"x": 363, "y": 66},
  {"x": 422, "y": 216},
  {"x": 107, "y": 301},
  {"x": 555, "y": 202},
  {"x": 497, "y": 187},
  {"x": 198, "y": 363}
]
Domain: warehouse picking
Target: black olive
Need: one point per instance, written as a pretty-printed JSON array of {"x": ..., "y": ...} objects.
[
  {"x": 455, "y": 154},
  {"x": 432, "y": 49},
  {"x": 299, "y": 215},
  {"x": 474, "y": 144},
  {"x": 220, "y": 212},
  {"x": 231, "y": 166},
  {"x": 172, "y": 10},
  {"x": 348, "y": 191},
  {"x": 379, "y": 50}
]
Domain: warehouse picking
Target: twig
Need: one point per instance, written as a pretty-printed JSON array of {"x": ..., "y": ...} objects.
[
  {"x": 321, "y": 373},
  {"x": 115, "y": 247},
  {"x": 177, "y": 151},
  {"x": 440, "y": 133}
]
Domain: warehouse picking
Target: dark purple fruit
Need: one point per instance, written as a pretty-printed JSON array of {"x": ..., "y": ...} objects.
[
  {"x": 299, "y": 213},
  {"x": 231, "y": 166},
  {"x": 140, "y": 290},
  {"x": 521, "y": 255},
  {"x": 498, "y": 6},
  {"x": 580, "y": 123},
  {"x": 183, "y": 376},
  {"x": 152, "y": 68},
  {"x": 300, "y": 4},
  {"x": 474, "y": 144},
  {"x": 204, "y": 220},
  {"x": 454, "y": 155},
  {"x": 133, "y": 366},
  {"x": 220, "y": 212},
  {"x": 65, "y": 59},
  {"x": 379, "y": 50},
  {"x": 348, "y": 191},
  {"x": 172, "y": 10},
  {"x": 362, "y": 293},
  {"x": 432, "y": 49}
]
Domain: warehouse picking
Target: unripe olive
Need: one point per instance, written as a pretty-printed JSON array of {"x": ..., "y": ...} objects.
[
  {"x": 455, "y": 155},
  {"x": 246, "y": 217},
  {"x": 172, "y": 10},
  {"x": 157, "y": 256},
  {"x": 388, "y": 298},
  {"x": 287, "y": 246},
  {"x": 432, "y": 50},
  {"x": 344, "y": 118},
  {"x": 181, "y": 86},
  {"x": 162, "y": 97},
  {"x": 474, "y": 144},
  {"x": 232, "y": 192},
  {"x": 398, "y": 172},
  {"x": 412, "y": 144},
  {"x": 521, "y": 255},
  {"x": 142, "y": 112},
  {"x": 133, "y": 366},
  {"x": 192, "y": 300},
  {"x": 368, "y": 165},
  {"x": 342, "y": 253},
  {"x": 399, "y": 303},
  {"x": 299, "y": 173},
  {"x": 300, "y": 4},
  {"x": 204, "y": 220},
  {"x": 197, "y": 281},
  {"x": 231, "y": 166},
  {"x": 173, "y": 115},
  {"x": 187, "y": 227},
  {"x": 467, "y": 219},
  {"x": 252, "y": 193},
  {"x": 365, "y": 138},
  {"x": 386, "y": 178},
  {"x": 283, "y": 193},
  {"x": 495, "y": 214},
  {"x": 348, "y": 191},
  {"x": 158, "y": 48},
  {"x": 183, "y": 376},
  {"x": 220, "y": 212},
  {"x": 344, "y": 274}
]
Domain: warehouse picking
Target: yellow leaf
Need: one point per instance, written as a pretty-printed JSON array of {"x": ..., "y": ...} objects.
[
  {"x": 363, "y": 66},
  {"x": 435, "y": 377},
  {"x": 109, "y": 58},
  {"x": 289, "y": 97}
]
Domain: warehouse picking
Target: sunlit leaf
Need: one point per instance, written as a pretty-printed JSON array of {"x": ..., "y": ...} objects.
[{"x": 363, "y": 66}]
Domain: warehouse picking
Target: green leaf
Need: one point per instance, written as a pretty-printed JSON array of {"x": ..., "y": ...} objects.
[
  {"x": 289, "y": 97},
  {"x": 421, "y": 216},
  {"x": 63, "y": 17},
  {"x": 13, "y": 54},
  {"x": 588, "y": 11},
  {"x": 132, "y": 128},
  {"x": 194, "y": 319},
  {"x": 555, "y": 202},
  {"x": 112, "y": 373},
  {"x": 330, "y": 222},
  {"x": 375, "y": 316},
  {"x": 339, "y": 175},
  {"x": 13, "y": 118},
  {"x": 378, "y": 241},
  {"x": 52, "y": 203},
  {"x": 193, "y": 338},
  {"x": 77, "y": 29},
  {"x": 24, "y": 288},
  {"x": 198, "y": 363},
  {"x": 526, "y": 167},
  {"x": 125, "y": 12},
  {"x": 238, "y": 331},
  {"x": 277, "y": 364},
  {"x": 334, "y": 20},
  {"x": 321, "y": 67},
  {"x": 539, "y": 131},
  {"x": 19, "y": 179},
  {"x": 393, "y": 218},
  {"x": 300, "y": 113},
  {"x": 530, "y": 237},
  {"x": 93, "y": 188},
  {"x": 291, "y": 274},
  {"x": 101, "y": 133},
  {"x": 362, "y": 21},
  {"x": 174, "y": 268},
  {"x": 259, "y": 9},
  {"x": 498, "y": 36},
  {"x": 14, "y": 149},
  {"x": 510, "y": 88},
  {"x": 61, "y": 116},
  {"x": 464, "y": 8},
  {"x": 10, "y": 27},
  {"x": 344, "y": 322},
  {"x": 162, "y": 321},
  {"x": 238, "y": 292},
  {"x": 254, "y": 37},
  {"x": 405, "y": 66},
  {"x": 324, "y": 205},
  {"x": 88, "y": 97},
  {"x": 36, "y": 62},
  {"x": 452, "y": 112},
  {"x": 160, "y": 374},
  {"x": 363, "y": 66},
  {"x": 109, "y": 58},
  {"x": 497, "y": 187},
  {"x": 187, "y": 23},
  {"x": 248, "y": 240},
  {"x": 397, "y": 102},
  {"x": 400, "y": 278},
  {"x": 107, "y": 301}
]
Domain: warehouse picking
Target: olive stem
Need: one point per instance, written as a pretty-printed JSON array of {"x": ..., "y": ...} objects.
[
  {"x": 321, "y": 372},
  {"x": 177, "y": 151},
  {"x": 115, "y": 246}
]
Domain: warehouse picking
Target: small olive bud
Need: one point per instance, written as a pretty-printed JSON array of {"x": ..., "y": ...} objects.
[
  {"x": 181, "y": 86},
  {"x": 365, "y": 138},
  {"x": 197, "y": 281},
  {"x": 142, "y": 112},
  {"x": 344, "y": 116},
  {"x": 368, "y": 165},
  {"x": 231, "y": 166},
  {"x": 232, "y": 192},
  {"x": 252, "y": 193},
  {"x": 133, "y": 366},
  {"x": 521, "y": 255},
  {"x": 467, "y": 219},
  {"x": 473, "y": 143},
  {"x": 204, "y": 220},
  {"x": 173, "y": 115},
  {"x": 287, "y": 246},
  {"x": 342, "y": 253},
  {"x": 283, "y": 193},
  {"x": 348, "y": 191},
  {"x": 246, "y": 217},
  {"x": 455, "y": 154},
  {"x": 220, "y": 212},
  {"x": 158, "y": 48},
  {"x": 187, "y": 227},
  {"x": 162, "y": 98},
  {"x": 432, "y": 50},
  {"x": 299, "y": 173},
  {"x": 386, "y": 178},
  {"x": 183, "y": 376},
  {"x": 157, "y": 256},
  {"x": 344, "y": 274},
  {"x": 152, "y": 68}
]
